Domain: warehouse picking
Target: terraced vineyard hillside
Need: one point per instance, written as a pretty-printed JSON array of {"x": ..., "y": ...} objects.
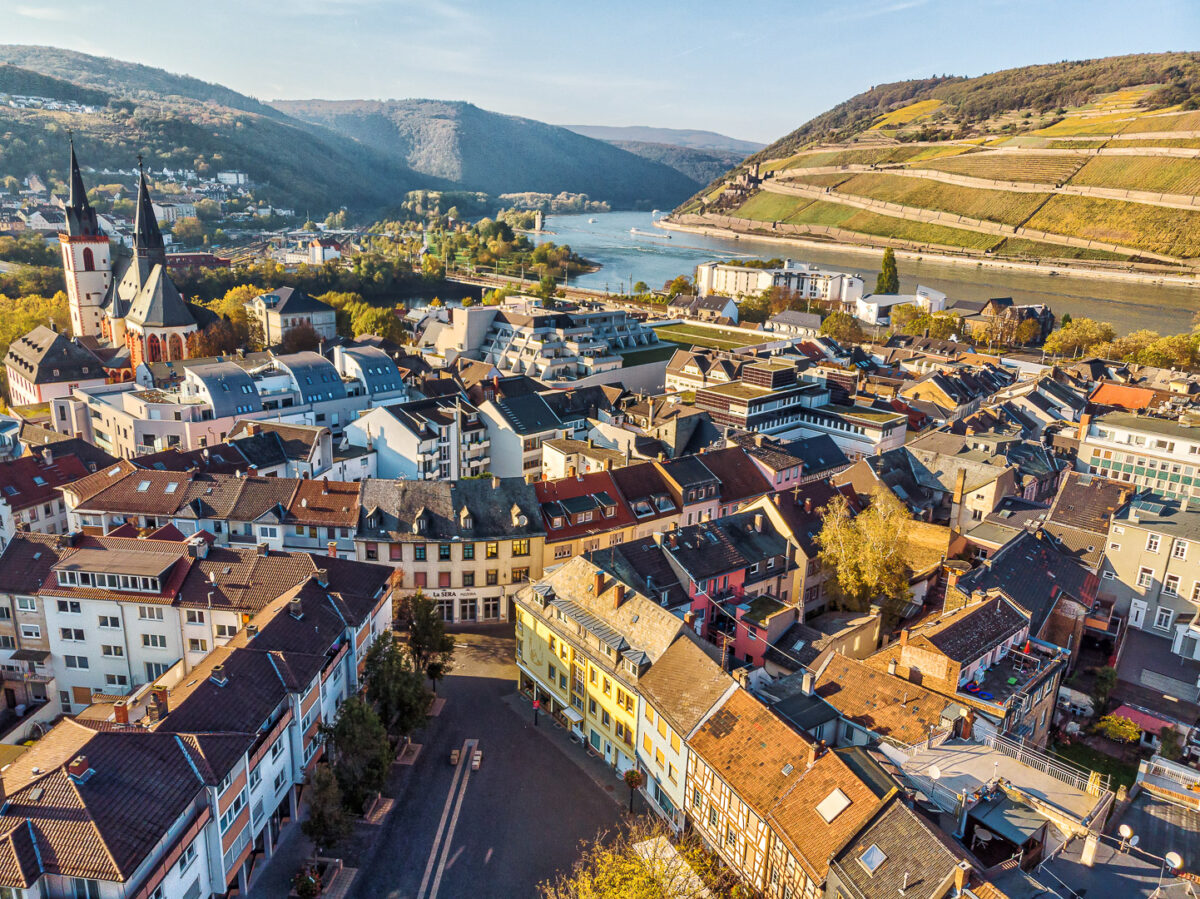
[{"x": 1095, "y": 162}]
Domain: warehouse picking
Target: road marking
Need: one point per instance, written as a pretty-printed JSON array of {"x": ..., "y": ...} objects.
[
  {"x": 463, "y": 764},
  {"x": 450, "y": 833}
]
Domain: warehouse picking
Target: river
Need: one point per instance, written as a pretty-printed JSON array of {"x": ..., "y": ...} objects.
[{"x": 656, "y": 256}]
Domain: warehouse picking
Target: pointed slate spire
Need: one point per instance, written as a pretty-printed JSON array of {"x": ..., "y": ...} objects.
[
  {"x": 147, "y": 239},
  {"x": 81, "y": 217}
]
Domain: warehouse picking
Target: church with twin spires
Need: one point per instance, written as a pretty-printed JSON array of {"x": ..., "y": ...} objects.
[{"x": 128, "y": 302}]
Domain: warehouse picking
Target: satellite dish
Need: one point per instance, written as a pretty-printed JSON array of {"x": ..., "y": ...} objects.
[
  {"x": 1125, "y": 831},
  {"x": 1134, "y": 841},
  {"x": 1174, "y": 860},
  {"x": 935, "y": 772}
]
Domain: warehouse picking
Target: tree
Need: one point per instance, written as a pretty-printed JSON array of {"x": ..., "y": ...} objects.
[
  {"x": 888, "y": 281},
  {"x": 641, "y": 287},
  {"x": 864, "y": 553},
  {"x": 1105, "y": 683},
  {"x": 904, "y": 318},
  {"x": 1028, "y": 331},
  {"x": 327, "y": 823},
  {"x": 188, "y": 230},
  {"x": 361, "y": 754},
  {"x": 1170, "y": 744},
  {"x": 634, "y": 779},
  {"x": 300, "y": 337},
  {"x": 217, "y": 339},
  {"x": 753, "y": 309},
  {"x": 613, "y": 867},
  {"x": 1118, "y": 728},
  {"x": 545, "y": 287},
  {"x": 677, "y": 286},
  {"x": 431, "y": 647},
  {"x": 1078, "y": 335},
  {"x": 395, "y": 687},
  {"x": 842, "y": 327}
]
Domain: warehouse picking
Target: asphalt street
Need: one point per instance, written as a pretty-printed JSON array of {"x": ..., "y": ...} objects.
[{"x": 495, "y": 832}]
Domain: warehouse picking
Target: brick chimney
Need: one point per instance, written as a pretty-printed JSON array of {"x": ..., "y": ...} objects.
[
  {"x": 904, "y": 636},
  {"x": 778, "y": 500},
  {"x": 331, "y": 549},
  {"x": 121, "y": 711},
  {"x": 598, "y": 583},
  {"x": 324, "y": 486},
  {"x": 758, "y": 523},
  {"x": 323, "y": 577},
  {"x": 808, "y": 505},
  {"x": 618, "y": 596},
  {"x": 1085, "y": 422},
  {"x": 253, "y": 428},
  {"x": 78, "y": 766},
  {"x": 47, "y": 455},
  {"x": 162, "y": 698},
  {"x": 262, "y": 549},
  {"x": 296, "y": 609}
]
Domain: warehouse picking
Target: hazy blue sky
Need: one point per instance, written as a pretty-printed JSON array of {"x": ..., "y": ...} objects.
[{"x": 750, "y": 68}]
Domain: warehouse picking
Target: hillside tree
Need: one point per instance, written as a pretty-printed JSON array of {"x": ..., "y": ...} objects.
[{"x": 888, "y": 281}]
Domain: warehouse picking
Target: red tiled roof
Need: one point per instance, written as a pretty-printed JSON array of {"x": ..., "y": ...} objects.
[
  {"x": 1122, "y": 395},
  {"x": 29, "y": 481},
  {"x": 326, "y": 503},
  {"x": 592, "y": 484}
]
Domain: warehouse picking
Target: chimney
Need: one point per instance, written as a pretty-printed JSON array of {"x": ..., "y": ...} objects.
[
  {"x": 1085, "y": 422},
  {"x": 662, "y": 457},
  {"x": 218, "y": 676},
  {"x": 673, "y": 541},
  {"x": 296, "y": 609},
  {"x": 251, "y": 631},
  {"x": 78, "y": 767},
  {"x": 689, "y": 618},
  {"x": 904, "y": 636},
  {"x": 808, "y": 505},
  {"x": 619, "y": 596},
  {"x": 323, "y": 577},
  {"x": 891, "y": 666},
  {"x": 778, "y": 500},
  {"x": 570, "y": 471},
  {"x": 47, "y": 455},
  {"x": 324, "y": 486},
  {"x": 162, "y": 699},
  {"x": 758, "y": 523},
  {"x": 598, "y": 583},
  {"x": 495, "y": 483},
  {"x": 960, "y": 876},
  {"x": 806, "y": 683},
  {"x": 262, "y": 549},
  {"x": 253, "y": 428},
  {"x": 331, "y": 548},
  {"x": 960, "y": 485},
  {"x": 121, "y": 711}
]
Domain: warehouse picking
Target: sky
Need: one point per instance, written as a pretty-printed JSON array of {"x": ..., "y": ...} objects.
[{"x": 752, "y": 69}]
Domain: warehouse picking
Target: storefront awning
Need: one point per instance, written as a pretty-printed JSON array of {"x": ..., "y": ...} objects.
[{"x": 573, "y": 716}]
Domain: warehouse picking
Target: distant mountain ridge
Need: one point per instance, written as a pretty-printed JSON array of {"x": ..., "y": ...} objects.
[
  {"x": 487, "y": 151},
  {"x": 313, "y": 156},
  {"x": 693, "y": 139}
]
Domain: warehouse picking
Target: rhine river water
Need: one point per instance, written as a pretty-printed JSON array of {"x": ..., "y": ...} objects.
[{"x": 655, "y": 256}]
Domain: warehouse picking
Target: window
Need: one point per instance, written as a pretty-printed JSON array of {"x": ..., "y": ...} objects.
[
  {"x": 31, "y": 632},
  {"x": 155, "y": 670},
  {"x": 520, "y": 547},
  {"x": 1171, "y": 585},
  {"x": 419, "y": 552},
  {"x": 116, "y": 680},
  {"x": 77, "y": 662},
  {"x": 26, "y": 604},
  {"x": 520, "y": 575},
  {"x": 1152, "y": 543},
  {"x": 226, "y": 630},
  {"x": 1179, "y": 549},
  {"x": 195, "y": 616},
  {"x": 69, "y": 607},
  {"x": 154, "y": 641},
  {"x": 1163, "y": 618},
  {"x": 1145, "y": 577},
  {"x": 468, "y": 551},
  {"x": 280, "y": 780},
  {"x": 150, "y": 613},
  {"x": 233, "y": 811},
  {"x": 491, "y": 550},
  {"x": 85, "y": 889},
  {"x": 468, "y": 579},
  {"x": 112, "y": 651},
  {"x": 712, "y": 816},
  {"x": 71, "y": 634},
  {"x": 492, "y": 577},
  {"x": 110, "y": 621},
  {"x": 443, "y": 552},
  {"x": 187, "y": 857},
  {"x": 255, "y": 778},
  {"x": 195, "y": 645}
]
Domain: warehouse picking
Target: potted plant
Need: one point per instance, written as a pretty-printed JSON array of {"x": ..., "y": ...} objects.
[{"x": 306, "y": 884}]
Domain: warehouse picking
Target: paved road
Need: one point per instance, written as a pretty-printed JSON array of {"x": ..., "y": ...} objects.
[{"x": 496, "y": 832}]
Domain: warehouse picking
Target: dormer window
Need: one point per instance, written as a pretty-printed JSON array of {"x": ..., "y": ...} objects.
[{"x": 556, "y": 522}]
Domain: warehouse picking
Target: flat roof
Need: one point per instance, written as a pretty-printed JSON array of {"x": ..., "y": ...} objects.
[{"x": 118, "y": 561}]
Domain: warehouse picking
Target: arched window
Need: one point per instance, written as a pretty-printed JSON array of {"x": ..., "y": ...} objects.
[
  {"x": 89, "y": 261},
  {"x": 153, "y": 349},
  {"x": 174, "y": 347}
]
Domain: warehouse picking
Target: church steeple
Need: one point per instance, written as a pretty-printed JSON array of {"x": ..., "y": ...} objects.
[
  {"x": 81, "y": 217},
  {"x": 147, "y": 238}
]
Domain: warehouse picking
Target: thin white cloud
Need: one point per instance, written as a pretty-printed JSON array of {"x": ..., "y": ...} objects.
[{"x": 43, "y": 13}]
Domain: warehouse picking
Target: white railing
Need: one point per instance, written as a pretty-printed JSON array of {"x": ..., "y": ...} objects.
[
  {"x": 1180, "y": 774},
  {"x": 1069, "y": 774}
]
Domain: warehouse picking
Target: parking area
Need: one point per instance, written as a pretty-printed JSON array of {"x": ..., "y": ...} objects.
[{"x": 493, "y": 832}]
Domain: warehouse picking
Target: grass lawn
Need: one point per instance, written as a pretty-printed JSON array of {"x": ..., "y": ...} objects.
[
  {"x": 1084, "y": 756},
  {"x": 716, "y": 338}
]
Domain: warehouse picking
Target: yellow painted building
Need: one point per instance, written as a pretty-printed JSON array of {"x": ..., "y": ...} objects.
[{"x": 584, "y": 641}]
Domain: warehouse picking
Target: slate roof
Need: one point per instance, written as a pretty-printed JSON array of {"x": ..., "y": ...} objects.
[
  {"x": 294, "y": 301},
  {"x": 315, "y": 376},
  {"x": 528, "y": 413},
  {"x": 714, "y": 548},
  {"x": 970, "y": 633},
  {"x": 397, "y": 505},
  {"x": 914, "y": 856},
  {"x": 46, "y": 356},
  {"x": 295, "y": 441},
  {"x": 30, "y": 481},
  {"x": 229, "y": 386},
  {"x": 158, "y": 303},
  {"x": 685, "y": 683},
  {"x": 27, "y": 561},
  {"x": 35, "y": 438},
  {"x": 378, "y": 370},
  {"x": 740, "y": 479},
  {"x": 1082, "y": 511},
  {"x": 643, "y": 565},
  {"x": 688, "y": 471}
]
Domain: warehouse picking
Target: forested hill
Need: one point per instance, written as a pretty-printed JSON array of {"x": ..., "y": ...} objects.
[
  {"x": 481, "y": 150},
  {"x": 1091, "y": 163}
]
